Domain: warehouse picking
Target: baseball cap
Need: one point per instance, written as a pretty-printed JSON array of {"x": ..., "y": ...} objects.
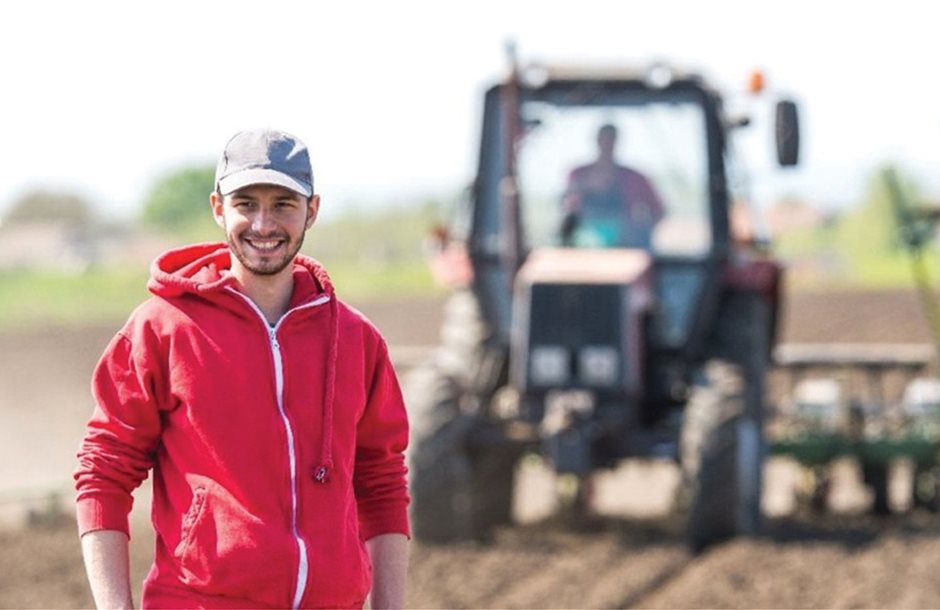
[{"x": 264, "y": 156}]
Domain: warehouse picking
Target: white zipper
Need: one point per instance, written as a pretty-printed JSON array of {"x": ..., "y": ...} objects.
[{"x": 303, "y": 563}]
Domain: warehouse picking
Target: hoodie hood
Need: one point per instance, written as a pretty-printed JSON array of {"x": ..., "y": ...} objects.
[{"x": 201, "y": 269}]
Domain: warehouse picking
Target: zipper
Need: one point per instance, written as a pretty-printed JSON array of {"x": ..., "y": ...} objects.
[{"x": 303, "y": 565}]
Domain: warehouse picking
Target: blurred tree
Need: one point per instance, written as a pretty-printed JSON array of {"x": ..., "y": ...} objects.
[
  {"x": 385, "y": 234},
  {"x": 179, "y": 201},
  {"x": 871, "y": 229},
  {"x": 42, "y": 206}
]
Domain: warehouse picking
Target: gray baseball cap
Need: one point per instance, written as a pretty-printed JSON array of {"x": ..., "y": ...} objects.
[{"x": 264, "y": 156}]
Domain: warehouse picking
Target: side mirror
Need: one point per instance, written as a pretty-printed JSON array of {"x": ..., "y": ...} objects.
[{"x": 787, "y": 128}]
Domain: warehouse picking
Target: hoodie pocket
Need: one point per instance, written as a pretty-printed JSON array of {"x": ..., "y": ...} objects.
[
  {"x": 224, "y": 549},
  {"x": 190, "y": 518}
]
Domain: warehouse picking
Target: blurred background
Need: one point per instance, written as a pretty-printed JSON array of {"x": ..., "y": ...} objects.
[{"x": 112, "y": 118}]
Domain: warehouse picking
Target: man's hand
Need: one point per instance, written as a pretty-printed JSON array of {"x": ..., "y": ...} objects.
[
  {"x": 569, "y": 224},
  {"x": 389, "y": 554},
  {"x": 108, "y": 568}
]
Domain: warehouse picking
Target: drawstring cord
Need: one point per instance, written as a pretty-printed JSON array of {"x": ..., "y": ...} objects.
[{"x": 322, "y": 472}]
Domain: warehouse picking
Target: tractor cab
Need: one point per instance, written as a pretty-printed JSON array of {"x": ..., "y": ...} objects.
[{"x": 605, "y": 161}]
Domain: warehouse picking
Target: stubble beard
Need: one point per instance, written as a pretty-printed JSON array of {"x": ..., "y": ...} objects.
[{"x": 264, "y": 267}]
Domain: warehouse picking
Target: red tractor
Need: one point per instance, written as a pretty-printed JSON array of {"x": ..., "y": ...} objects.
[{"x": 610, "y": 313}]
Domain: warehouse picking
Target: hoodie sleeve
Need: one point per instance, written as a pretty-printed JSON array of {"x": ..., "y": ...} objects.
[
  {"x": 382, "y": 435},
  {"x": 117, "y": 451}
]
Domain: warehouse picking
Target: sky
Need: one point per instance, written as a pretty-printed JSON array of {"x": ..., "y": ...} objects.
[{"x": 102, "y": 98}]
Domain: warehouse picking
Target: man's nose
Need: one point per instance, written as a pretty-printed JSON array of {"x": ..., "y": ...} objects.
[{"x": 263, "y": 222}]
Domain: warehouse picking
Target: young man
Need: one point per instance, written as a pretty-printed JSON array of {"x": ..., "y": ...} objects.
[{"x": 268, "y": 410}]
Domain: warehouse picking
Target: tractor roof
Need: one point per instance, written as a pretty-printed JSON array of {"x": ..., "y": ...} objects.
[{"x": 656, "y": 74}]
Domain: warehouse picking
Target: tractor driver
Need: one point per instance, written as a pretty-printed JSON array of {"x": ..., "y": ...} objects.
[{"x": 607, "y": 204}]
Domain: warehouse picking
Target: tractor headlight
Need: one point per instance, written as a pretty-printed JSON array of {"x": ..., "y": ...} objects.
[
  {"x": 549, "y": 365},
  {"x": 598, "y": 365}
]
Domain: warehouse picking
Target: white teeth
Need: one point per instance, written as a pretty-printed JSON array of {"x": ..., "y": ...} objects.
[{"x": 265, "y": 245}]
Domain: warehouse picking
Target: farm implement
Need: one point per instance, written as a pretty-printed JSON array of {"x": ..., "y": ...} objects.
[
  {"x": 871, "y": 403},
  {"x": 874, "y": 403}
]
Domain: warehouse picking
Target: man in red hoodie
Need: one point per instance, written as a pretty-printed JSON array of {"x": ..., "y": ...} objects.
[{"x": 267, "y": 409}]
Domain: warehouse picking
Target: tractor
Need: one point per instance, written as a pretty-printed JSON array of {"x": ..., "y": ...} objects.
[{"x": 638, "y": 332}]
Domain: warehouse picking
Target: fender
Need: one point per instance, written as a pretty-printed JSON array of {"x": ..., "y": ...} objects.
[{"x": 763, "y": 276}]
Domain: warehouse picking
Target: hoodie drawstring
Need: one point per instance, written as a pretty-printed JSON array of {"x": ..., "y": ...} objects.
[{"x": 322, "y": 472}]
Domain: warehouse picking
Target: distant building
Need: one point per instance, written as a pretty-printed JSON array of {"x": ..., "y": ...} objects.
[
  {"x": 57, "y": 245},
  {"x": 65, "y": 247},
  {"x": 791, "y": 215}
]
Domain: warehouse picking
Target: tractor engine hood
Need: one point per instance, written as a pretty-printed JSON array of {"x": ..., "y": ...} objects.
[{"x": 578, "y": 320}]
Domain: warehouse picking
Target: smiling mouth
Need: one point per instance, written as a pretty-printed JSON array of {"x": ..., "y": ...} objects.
[{"x": 265, "y": 245}]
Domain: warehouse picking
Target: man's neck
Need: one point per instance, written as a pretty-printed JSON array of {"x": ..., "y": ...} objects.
[{"x": 271, "y": 293}]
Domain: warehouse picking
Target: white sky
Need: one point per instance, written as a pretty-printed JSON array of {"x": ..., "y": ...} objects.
[{"x": 102, "y": 97}]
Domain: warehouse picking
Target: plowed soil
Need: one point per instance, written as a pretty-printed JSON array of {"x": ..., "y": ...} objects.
[{"x": 630, "y": 556}]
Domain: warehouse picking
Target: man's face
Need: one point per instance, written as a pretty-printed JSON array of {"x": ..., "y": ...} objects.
[
  {"x": 264, "y": 225},
  {"x": 607, "y": 141}
]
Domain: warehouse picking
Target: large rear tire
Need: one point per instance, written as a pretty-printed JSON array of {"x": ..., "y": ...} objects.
[
  {"x": 438, "y": 464},
  {"x": 462, "y": 470},
  {"x": 722, "y": 459},
  {"x": 462, "y": 475}
]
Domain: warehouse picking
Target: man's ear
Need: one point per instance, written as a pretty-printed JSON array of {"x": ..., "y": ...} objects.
[
  {"x": 215, "y": 202},
  {"x": 313, "y": 208}
]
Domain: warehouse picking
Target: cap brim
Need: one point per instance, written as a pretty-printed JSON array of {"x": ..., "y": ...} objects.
[{"x": 251, "y": 177}]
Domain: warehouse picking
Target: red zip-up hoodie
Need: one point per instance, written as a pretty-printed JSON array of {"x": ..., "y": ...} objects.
[{"x": 276, "y": 451}]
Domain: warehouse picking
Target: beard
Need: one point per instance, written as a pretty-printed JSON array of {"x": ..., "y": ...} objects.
[{"x": 260, "y": 263}]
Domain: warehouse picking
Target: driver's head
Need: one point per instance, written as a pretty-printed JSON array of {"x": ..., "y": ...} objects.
[{"x": 607, "y": 139}]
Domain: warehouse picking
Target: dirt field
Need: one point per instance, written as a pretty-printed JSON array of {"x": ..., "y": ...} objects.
[{"x": 631, "y": 557}]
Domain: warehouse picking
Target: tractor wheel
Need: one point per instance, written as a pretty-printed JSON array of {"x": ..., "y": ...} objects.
[
  {"x": 722, "y": 459},
  {"x": 463, "y": 335},
  {"x": 460, "y": 489},
  {"x": 493, "y": 470}
]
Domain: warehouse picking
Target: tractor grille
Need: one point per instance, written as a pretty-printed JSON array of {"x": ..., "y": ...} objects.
[
  {"x": 575, "y": 315},
  {"x": 574, "y": 336}
]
